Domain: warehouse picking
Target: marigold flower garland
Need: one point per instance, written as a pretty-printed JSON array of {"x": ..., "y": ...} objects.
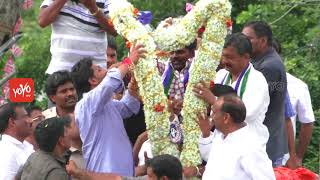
[{"x": 216, "y": 13}]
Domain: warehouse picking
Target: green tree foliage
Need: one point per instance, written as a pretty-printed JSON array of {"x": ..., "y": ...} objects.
[{"x": 295, "y": 24}]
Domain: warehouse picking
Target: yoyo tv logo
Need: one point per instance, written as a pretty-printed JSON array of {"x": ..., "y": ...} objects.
[{"x": 21, "y": 90}]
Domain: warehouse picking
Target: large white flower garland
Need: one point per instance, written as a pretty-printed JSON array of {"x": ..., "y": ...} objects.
[{"x": 215, "y": 13}]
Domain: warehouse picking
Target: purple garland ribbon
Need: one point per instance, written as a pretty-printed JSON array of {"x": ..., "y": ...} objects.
[
  {"x": 239, "y": 79},
  {"x": 145, "y": 17},
  {"x": 167, "y": 74}
]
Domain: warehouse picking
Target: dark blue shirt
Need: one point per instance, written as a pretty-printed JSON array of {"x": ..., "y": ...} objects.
[{"x": 271, "y": 66}]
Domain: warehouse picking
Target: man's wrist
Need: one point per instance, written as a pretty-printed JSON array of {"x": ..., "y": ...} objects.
[
  {"x": 128, "y": 62},
  {"x": 198, "y": 172},
  {"x": 94, "y": 10}
]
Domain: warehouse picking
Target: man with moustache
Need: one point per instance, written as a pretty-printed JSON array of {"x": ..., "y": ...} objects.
[
  {"x": 35, "y": 113},
  {"x": 106, "y": 147},
  {"x": 15, "y": 127},
  {"x": 236, "y": 151},
  {"x": 61, "y": 91},
  {"x": 266, "y": 60},
  {"x": 175, "y": 73},
  {"x": 250, "y": 84}
]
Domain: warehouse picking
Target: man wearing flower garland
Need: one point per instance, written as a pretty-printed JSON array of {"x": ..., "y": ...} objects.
[
  {"x": 78, "y": 31},
  {"x": 175, "y": 73},
  {"x": 175, "y": 77},
  {"x": 106, "y": 147}
]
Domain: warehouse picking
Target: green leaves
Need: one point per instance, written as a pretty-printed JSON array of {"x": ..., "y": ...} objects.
[{"x": 296, "y": 25}]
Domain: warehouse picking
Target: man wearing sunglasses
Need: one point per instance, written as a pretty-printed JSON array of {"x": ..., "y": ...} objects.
[
  {"x": 35, "y": 113},
  {"x": 15, "y": 127}
]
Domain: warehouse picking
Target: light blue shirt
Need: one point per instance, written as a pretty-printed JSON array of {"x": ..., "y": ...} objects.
[{"x": 106, "y": 146}]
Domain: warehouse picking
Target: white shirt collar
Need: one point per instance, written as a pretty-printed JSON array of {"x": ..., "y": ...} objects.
[{"x": 11, "y": 139}]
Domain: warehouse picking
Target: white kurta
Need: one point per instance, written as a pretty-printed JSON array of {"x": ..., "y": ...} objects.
[
  {"x": 238, "y": 156},
  {"x": 13, "y": 155},
  {"x": 256, "y": 99}
]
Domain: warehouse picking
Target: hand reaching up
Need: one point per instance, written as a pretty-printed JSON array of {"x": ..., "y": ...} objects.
[{"x": 137, "y": 52}]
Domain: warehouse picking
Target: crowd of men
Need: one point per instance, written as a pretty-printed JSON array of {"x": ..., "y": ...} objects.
[{"x": 95, "y": 128}]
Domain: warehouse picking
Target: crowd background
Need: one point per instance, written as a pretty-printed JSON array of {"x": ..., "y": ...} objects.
[{"x": 295, "y": 23}]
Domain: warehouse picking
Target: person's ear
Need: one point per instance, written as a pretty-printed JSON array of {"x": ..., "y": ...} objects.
[
  {"x": 52, "y": 98},
  {"x": 60, "y": 141},
  {"x": 226, "y": 118},
  {"x": 264, "y": 41},
  {"x": 93, "y": 81},
  {"x": 246, "y": 56},
  {"x": 11, "y": 123}
]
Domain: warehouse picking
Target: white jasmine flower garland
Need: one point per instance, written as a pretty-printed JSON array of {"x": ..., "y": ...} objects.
[{"x": 215, "y": 13}]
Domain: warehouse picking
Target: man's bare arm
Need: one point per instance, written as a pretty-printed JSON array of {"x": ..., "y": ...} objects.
[
  {"x": 304, "y": 139},
  {"x": 99, "y": 15},
  {"x": 48, "y": 14}
]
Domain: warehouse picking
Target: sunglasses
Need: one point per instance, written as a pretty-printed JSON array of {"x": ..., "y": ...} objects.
[{"x": 38, "y": 118}]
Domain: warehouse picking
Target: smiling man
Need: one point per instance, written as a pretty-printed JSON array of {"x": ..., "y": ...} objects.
[
  {"x": 175, "y": 73},
  {"x": 250, "y": 84}
]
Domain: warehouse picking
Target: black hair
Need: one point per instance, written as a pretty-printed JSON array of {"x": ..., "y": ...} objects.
[
  {"x": 31, "y": 108},
  {"x": 7, "y": 111},
  {"x": 240, "y": 42},
  {"x": 55, "y": 80},
  {"x": 277, "y": 46},
  {"x": 48, "y": 132},
  {"x": 261, "y": 29},
  {"x": 222, "y": 90},
  {"x": 81, "y": 73},
  {"x": 112, "y": 43},
  {"x": 192, "y": 46},
  {"x": 166, "y": 165},
  {"x": 235, "y": 107}
]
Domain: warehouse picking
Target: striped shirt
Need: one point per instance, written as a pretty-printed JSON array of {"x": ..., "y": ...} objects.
[
  {"x": 178, "y": 86},
  {"x": 76, "y": 34}
]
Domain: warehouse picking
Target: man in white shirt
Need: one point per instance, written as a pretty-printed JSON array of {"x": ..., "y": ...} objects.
[
  {"x": 250, "y": 84},
  {"x": 78, "y": 31},
  {"x": 301, "y": 102},
  {"x": 236, "y": 152},
  {"x": 14, "y": 128}
]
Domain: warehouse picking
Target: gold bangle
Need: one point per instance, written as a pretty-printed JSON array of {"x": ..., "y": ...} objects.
[
  {"x": 198, "y": 172},
  {"x": 95, "y": 13}
]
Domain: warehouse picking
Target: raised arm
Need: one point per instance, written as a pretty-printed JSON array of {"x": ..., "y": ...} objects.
[
  {"x": 49, "y": 11},
  {"x": 205, "y": 140},
  {"x": 102, "y": 94},
  {"x": 99, "y": 15}
]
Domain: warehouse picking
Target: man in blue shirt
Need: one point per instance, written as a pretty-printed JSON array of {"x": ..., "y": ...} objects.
[
  {"x": 106, "y": 147},
  {"x": 266, "y": 60}
]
